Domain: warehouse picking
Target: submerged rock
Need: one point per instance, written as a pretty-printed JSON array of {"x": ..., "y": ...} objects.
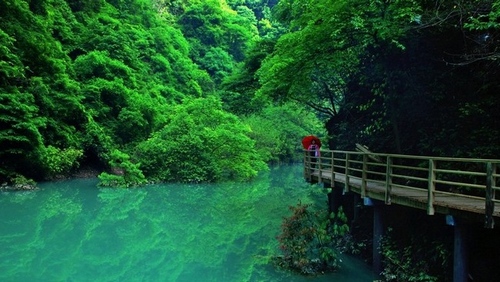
[{"x": 18, "y": 187}]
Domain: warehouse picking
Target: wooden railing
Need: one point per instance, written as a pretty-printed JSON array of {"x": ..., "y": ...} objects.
[{"x": 467, "y": 178}]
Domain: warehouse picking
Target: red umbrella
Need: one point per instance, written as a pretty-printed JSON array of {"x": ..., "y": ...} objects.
[{"x": 306, "y": 141}]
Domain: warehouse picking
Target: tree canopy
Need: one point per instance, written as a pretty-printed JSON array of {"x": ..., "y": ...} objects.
[
  {"x": 110, "y": 83},
  {"x": 129, "y": 87},
  {"x": 398, "y": 76}
]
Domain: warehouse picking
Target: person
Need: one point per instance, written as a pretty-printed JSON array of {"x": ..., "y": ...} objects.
[{"x": 313, "y": 153}]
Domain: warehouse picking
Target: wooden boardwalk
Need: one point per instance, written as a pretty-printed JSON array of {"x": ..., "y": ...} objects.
[{"x": 450, "y": 186}]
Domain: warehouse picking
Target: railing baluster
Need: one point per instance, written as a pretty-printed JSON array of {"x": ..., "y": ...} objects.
[
  {"x": 431, "y": 187},
  {"x": 363, "y": 176},
  {"x": 319, "y": 160},
  {"x": 306, "y": 168},
  {"x": 388, "y": 180},
  {"x": 494, "y": 180},
  {"x": 347, "y": 157},
  {"x": 489, "y": 204},
  {"x": 309, "y": 166},
  {"x": 332, "y": 164}
]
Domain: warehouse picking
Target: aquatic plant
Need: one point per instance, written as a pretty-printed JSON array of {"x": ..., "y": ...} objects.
[{"x": 308, "y": 240}]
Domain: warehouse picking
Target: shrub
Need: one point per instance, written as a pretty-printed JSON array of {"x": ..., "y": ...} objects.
[
  {"x": 60, "y": 161},
  {"x": 412, "y": 261},
  {"x": 126, "y": 173},
  {"x": 308, "y": 240}
]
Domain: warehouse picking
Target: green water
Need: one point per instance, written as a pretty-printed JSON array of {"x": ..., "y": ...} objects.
[{"x": 73, "y": 231}]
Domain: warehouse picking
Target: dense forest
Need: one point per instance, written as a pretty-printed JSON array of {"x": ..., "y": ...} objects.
[
  {"x": 194, "y": 91},
  {"x": 142, "y": 90}
]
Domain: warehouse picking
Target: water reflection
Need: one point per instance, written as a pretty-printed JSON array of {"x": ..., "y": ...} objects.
[{"x": 73, "y": 231}]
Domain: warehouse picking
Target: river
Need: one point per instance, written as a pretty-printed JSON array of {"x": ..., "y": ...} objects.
[{"x": 72, "y": 230}]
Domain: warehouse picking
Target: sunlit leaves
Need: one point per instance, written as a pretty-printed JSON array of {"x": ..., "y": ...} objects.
[
  {"x": 282, "y": 143},
  {"x": 199, "y": 143},
  {"x": 125, "y": 172},
  {"x": 240, "y": 87},
  {"x": 20, "y": 137},
  {"x": 10, "y": 63},
  {"x": 213, "y": 24},
  {"x": 98, "y": 64},
  {"x": 60, "y": 161},
  {"x": 218, "y": 63},
  {"x": 313, "y": 63},
  {"x": 93, "y": 76}
]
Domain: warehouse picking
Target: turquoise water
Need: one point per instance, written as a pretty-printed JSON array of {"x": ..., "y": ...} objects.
[{"x": 73, "y": 231}]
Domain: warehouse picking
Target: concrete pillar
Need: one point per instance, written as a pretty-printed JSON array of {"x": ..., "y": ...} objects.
[
  {"x": 460, "y": 262},
  {"x": 335, "y": 198},
  {"x": 331, "y": 201},
  {"x": 356, "y": 207},
  {"x": 378, "y": 232}
]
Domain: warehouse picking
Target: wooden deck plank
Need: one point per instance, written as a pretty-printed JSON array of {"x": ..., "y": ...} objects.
[{"x": 410, "y": 197}]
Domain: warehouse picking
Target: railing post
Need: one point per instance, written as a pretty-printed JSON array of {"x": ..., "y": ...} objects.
[
  {"x": 347, "y": 158},
  {"x": 494, "y": 180},
  {"x": 320, "y": 173},
  {"x": 388, "y": 180},
  {"x": 309, "y": 165},
  {"x": 489, "y": 204},
  {"x": 332, "y": 163},
  {"x": 431, "y": 187},
  {"x": 363, "y": 176},
  {"x": 305, "y": 166}
]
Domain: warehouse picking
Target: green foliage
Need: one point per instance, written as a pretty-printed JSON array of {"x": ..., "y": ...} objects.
[
  {"x": 11, "y": 66},
  {"x": 60, "y": 161},
  {"x": 213, "y": 24},
  {"x": 399, "y": 76},
  {"x": 59, "y": 101},
  {"x": 126, "y": 173},
  {"x": 199, "y": 143},
  {"x": 100, "y": 75},
  {"x": 282, "y": 143},
  {"x": 97, "y": 141},
  {"x": 314, "y": 62},
  {"x": 21, "y": 180},
  {"x": 98, "y": 64},
  {"x": 85, "y": 6},
  {"x": 415, "y": 261},
  {"x": 308, "y": 240},
  {"x": 218, "y": 63},
  {"x": 18, "y": 182},
  {"x": 485, "y": 19},
  {"x": 20, "y": 137},
  {"x": 239, "y": 88},
  {"x": 40, "y": 100}
]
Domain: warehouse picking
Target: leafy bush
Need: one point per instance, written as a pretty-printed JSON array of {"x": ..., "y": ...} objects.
[
  {"x": 60, "y": 161},
  {"x": 126, "y": 173},
  {"x": 200, "y": 143},
  {"x": 278, "y": 130},
  {"x": 18, "y": 182},
  {"x": 308, "y": 240},
  {"x": 412, "y": 261}
]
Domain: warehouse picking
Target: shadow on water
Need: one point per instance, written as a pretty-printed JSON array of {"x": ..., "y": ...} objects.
[{"x": 73, "y": 231}]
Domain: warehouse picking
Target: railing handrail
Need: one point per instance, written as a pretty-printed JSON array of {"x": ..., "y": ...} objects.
[{"x": 413, "y": 156}]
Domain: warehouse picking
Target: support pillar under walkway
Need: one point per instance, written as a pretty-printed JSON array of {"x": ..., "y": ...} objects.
[
  {"x": 378, "y": 232},
  {"x": 460, "y": 261}
]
